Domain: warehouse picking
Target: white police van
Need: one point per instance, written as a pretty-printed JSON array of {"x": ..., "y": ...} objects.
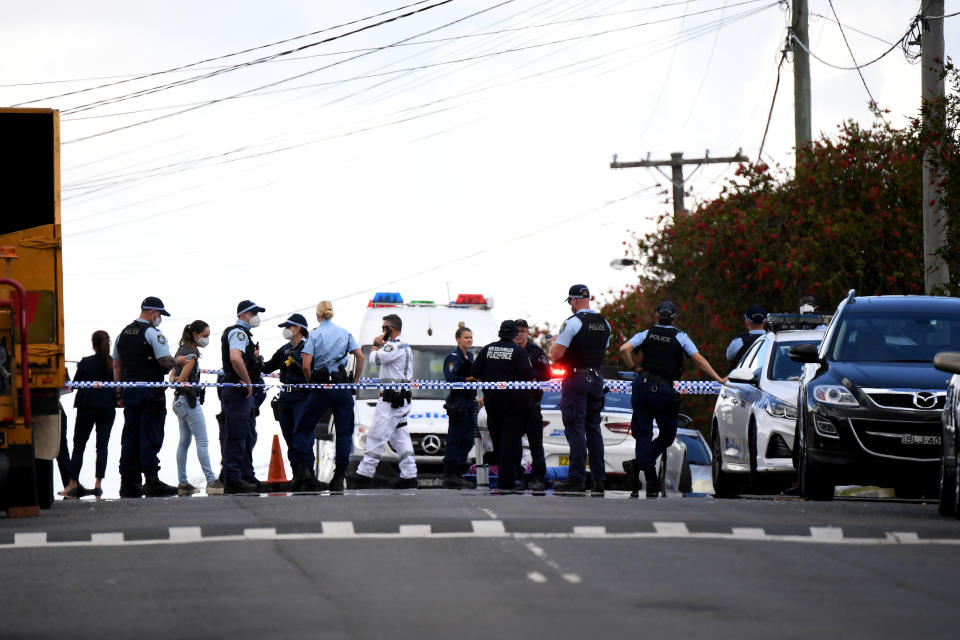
[{"x": 429, "y": 329}]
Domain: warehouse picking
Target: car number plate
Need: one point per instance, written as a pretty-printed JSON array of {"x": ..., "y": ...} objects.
[
  {"x": 564, "y": 461},
  {"x": 909, "y": 438}
]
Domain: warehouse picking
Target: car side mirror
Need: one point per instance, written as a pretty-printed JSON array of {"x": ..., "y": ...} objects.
[
  {"x": 742, "y": 375},
  {"x": 948, "y": 361},
  {"x": 805, "y": 353},
  {"x": 683, "y": 420}
]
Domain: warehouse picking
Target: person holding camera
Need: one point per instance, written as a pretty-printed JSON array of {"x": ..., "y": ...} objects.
[
  {"x": 325, "y": 357},
  {"x": 389, "y": 424},
  {"x": 662, "y": 349},
  {"x": 187, "y": 403}
]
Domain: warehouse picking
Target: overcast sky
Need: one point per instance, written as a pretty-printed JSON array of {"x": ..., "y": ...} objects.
[{"x": 465, "y": 148}]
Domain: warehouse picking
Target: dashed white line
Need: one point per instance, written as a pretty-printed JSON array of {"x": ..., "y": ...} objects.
[
  {"x": 537, "y": 577},
  {"x": 491, "y": 514},
  {"x": 338, "y": 529},
  {"x": 572, "y": 578},
  {"x": 29, "y": 539},
  {"x": 826, "y": 534},
  {"x": 905, "y": 537},
  {"x": 488, "y": 527},
  {"x": 749, "y": 532},
  {"x": 106, "y": 539},
  {"x": 260, "y": 534},
  {"x": 589, "y": 531},
  {"x": 537, "y": 551},
  {"x": 672, "y": 529},
  {"x": 185, "y": 534},
  {"x": 415, "y": 530}
]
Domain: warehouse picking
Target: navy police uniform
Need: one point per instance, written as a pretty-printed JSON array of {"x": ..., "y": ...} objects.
[
  {"x": 507, "y": 409},
  {"x": 653, "y": 395},
  {"x": 586, "y": 335},
  {"x": 534, "y": 426},
  {"x": 138, "y": 349},
  {"x": 460, "y": 405},
  {"x": 739, "y": 345},
  {"x": 288, "y": 359},
  {"x": 238, "y": 409}
]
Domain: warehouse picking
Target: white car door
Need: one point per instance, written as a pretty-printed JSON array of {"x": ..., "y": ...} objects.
[{"x": 732, "y": 412}]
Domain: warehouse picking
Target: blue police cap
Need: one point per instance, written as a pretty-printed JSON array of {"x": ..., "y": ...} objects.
[
  {"x": 248, "y": 305},
  {"x": 295, "y": 320},
  {"x": 153, "y": 303},
  {"x": 666, "y": 310},
  {"x": 508, "y": 330},
  {"x": 578, "y": 292},
  {"x": 755, "y": 313}
]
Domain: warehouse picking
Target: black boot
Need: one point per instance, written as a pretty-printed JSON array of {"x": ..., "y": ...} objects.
[
  {"x": 310, "y": 483},
  {"x": 568, "y": 486},
  {"x": 406, "y": 483},
  {"x": 130, "y": 486},
  {"x": 240, "y": 486},
  {"x": 299, "y": 475},
  {"x": 336, "y": 482},
  {"x": 357, "y": 481},
  {"x": 452, "y": 479},
  {"x": 633, "y": 478},
  {"x": 653, "y": 483},
  {"x": 537, "y": 484},
  {"x": 156, "y": 488}
]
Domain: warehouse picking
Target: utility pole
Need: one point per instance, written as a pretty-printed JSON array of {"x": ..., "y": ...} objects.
[
  {"x": 676, "y": 163},
  {"x": 801, "y": 76},
  {"x": 935, "y": 273}
]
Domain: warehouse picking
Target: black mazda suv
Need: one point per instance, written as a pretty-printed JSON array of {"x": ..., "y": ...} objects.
[{"x": 870, "y": 400}]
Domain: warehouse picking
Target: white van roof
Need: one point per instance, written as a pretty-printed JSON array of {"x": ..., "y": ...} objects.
[{"x": 427, "y": 323}]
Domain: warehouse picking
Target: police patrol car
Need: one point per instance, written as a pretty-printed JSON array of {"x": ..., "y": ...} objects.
[{"x": 429, "y": 329}]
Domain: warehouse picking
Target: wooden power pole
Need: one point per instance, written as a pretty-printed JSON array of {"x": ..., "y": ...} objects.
[
  {"x": 935, "y": 274},
  {"x": 801, "y": 76},
  {"x": 676, "y": 163}
]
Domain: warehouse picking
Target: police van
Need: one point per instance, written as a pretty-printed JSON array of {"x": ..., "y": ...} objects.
[{"x": 429, "y": 329}]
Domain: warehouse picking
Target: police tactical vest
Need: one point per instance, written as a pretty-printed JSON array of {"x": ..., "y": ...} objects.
[
  {"x": 137, "y": 360},
  {"x": 589, "y": 344},
  {"x": 748, "y": 339},
  {"x": 292, "y": 374},
  {"x": 663, "y": 353},
  {"x": 249, "y": 358}
]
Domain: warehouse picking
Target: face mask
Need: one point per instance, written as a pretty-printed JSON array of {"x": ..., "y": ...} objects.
[
  {"x": 255, "y": 322},
  {"x": 202, "y": 342},
  {"x": 157, "y": 320},
  {"x": 287, "y": 333}
]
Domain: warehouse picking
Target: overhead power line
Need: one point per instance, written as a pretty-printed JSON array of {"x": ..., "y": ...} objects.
[
  {"x": 852, "y": 57},
  {"x": 796, "y": 41}
]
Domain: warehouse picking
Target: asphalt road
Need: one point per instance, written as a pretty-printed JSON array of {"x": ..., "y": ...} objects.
[{"x": 447, "y": 564}]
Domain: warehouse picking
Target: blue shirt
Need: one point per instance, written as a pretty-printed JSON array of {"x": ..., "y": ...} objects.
[
  {"x": 737, "y": 343},
  {"x": 572, "y": 326},
  {"x": 155, "y": 339},
  {"x": 237, "y": 338},
  {"x": 329, "y": 345},
  {"x": 688, "y": 347}
]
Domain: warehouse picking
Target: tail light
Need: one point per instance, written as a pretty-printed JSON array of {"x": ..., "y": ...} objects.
[
  {"x": 558, "y": 372},
  {"x": 618, "y": 427}
]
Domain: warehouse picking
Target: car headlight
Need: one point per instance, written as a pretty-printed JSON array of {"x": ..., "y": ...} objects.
[
  {"x": 779, "y": 409},
  {"x": 834, "y": 394}
]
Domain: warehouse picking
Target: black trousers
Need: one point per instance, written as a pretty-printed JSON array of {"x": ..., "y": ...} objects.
[
  {"x": 87, "y": 418},
  {"x": 507, "y": 419}
]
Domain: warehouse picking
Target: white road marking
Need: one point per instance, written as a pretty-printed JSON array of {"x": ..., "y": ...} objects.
[
  {"x": 490, "y": 513},
  {"x": 185, "y": 534},
  {"x": 589, "y": 531},
  {"x": 106, "y": 539},
  {"x": 338, "y": 529},
  {"x": 488, "y": 527},
  {"x": 414, "y": 530},
  {"x": 572, "y": 578},
  {"x": 29, "y": 539},
  {"x": 826, "y": 534},
  {"x": 672, "y": 529},
  {"x": 537, "y": 577},
  {"x": 537, "y": 551},
  {"x": 749, "y": 532},
  {"x": 905, "y": 537},
  {"x": 260, "y": 534}
]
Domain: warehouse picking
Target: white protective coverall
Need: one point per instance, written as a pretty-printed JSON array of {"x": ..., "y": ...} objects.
[{"x": 389, "y": 425}]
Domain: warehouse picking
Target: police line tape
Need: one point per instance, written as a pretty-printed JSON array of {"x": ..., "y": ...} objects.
[{"x": 686, "y": 387}]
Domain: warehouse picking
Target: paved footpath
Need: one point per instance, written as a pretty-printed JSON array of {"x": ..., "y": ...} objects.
[{"x": 435, "y": 563}]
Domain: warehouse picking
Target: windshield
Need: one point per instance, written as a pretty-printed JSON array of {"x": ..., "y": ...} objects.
[
  {"x": 696, "y": 451},
  {"x": 895, "y": 337},
  {"x": 611, "y": 401},
  {"x": 781, "y": 366},
  {"x": 427, "y": 365}
]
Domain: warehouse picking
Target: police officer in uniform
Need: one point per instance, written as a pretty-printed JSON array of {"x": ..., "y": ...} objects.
[
  {"x": 141, "y": 354},
  {"x": 754, "y": 318},
  {"x": 534, "y": 424},
  {"x": 241, "y": 364},
  {"x": 508, "y": 410},
  {"x": 662, "y": 350},
  {"x": 389, "y": 424},
  {"x": 579, "y": 349},
  {"x": 289, "y": 361},
  {"x": 461, "y": 410},
  {"x": 325, "y": 357}
]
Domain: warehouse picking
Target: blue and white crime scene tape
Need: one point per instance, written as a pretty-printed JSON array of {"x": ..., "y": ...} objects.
[{"x": 686, "y": 387}]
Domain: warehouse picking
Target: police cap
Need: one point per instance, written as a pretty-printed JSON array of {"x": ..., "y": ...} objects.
[
  {"x": 666, "y": 310},
  {"x": 521, "y": 323},
  {"x": 248, "y": 305},
  {"x": 755, "y": 313},
  {"x": 578, "y": 292},
  {"x": 153, "y": 303},
  {"x": 508, "y": 330},
  {"x": 295, "y": 320}
]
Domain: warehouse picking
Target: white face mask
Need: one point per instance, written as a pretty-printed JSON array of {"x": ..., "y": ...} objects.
[
  {"x": 157, "y": 320},
  {"x": 287, "y": 333},
  {"x": 255, "y": 321},
  {"x": 202, "y": 342}
]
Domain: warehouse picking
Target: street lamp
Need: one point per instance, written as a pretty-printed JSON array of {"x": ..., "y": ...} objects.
[{"x": 621, "y": 263}]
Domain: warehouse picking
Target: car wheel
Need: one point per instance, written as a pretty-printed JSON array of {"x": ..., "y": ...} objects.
[
  {"x": 947, "y": 505},
  {"x": 685, "y": 484},
  {"x": 724, "y": 485},
  {"x": 813, "y": 485}
]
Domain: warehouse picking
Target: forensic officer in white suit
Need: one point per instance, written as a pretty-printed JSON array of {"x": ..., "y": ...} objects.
[{"x": 389, "y": 424}]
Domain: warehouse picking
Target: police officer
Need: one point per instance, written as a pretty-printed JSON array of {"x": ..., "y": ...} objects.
[
  {"x": 661, "y": 363},
  {"x": 755, "y": 319},
  {"x": 241, "y": 364},
  {"x": 579, "y": 349},
  {"x": 289, "y": 361},
  {"x": 389, "y": 424},
  {"x": 507, "y": 409},
  {"x": 325, "y": 357},
  {"x": 141, "y": 354},
  {"x": 461, "y": 410},
  {"x": 534, "y": 423}
]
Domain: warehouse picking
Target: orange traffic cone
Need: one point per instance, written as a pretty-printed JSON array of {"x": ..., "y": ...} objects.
[{"x": 277, "y": 473}]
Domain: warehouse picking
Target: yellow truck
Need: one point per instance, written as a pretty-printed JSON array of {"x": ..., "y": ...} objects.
[{"x": 32, "y": 367}]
